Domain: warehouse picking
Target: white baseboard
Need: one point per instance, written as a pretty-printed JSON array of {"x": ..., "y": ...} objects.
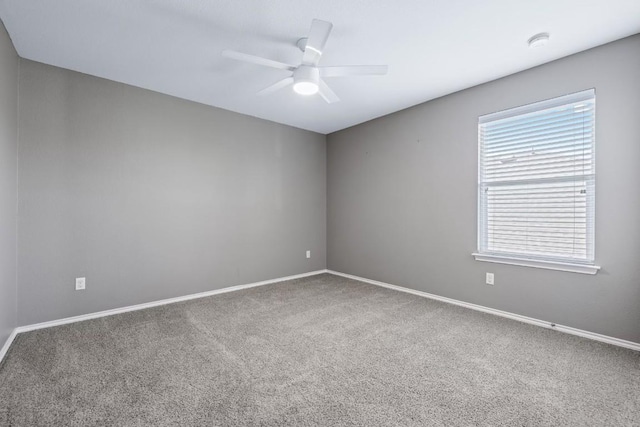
[
  {"x": 566, "y": 329},
  {"x": 7, "y": 344},
  {"x": 111, "y": 312},
  {"x": 525, "y": 319}
]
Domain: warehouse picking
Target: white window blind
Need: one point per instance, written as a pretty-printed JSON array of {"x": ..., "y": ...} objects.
[{"x": 537, "y": 181}]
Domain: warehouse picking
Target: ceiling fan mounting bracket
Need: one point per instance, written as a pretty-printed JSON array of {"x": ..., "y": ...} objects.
[{"x": 302, "y": 43}]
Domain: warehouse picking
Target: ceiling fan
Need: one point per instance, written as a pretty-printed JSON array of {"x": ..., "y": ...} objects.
[{"x": 307, "y": 77}]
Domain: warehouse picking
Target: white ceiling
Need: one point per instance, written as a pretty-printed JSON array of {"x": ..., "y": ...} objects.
[{"x": 432, "y": 47}]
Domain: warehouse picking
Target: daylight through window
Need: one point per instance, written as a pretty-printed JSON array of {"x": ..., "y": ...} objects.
[{"x": 536, "y": 186}]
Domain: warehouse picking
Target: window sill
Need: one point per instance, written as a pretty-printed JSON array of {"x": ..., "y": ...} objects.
[{"x": 550, "y": 265}]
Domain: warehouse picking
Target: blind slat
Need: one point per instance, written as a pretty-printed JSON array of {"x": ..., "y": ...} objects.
[
  {"x": 555, "y": 141},
  {"x": 574, "y": 128},
  {"x": 510, "y": 161},
  {"x": 553, "y": 120}
]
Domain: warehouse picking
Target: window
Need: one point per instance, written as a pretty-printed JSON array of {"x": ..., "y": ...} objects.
[{"x": 536, "y": 184}]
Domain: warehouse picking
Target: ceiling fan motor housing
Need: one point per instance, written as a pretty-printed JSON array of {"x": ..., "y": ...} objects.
[
  {"x": 306, "y": 73},
  {"x": 306, "y": 79}
]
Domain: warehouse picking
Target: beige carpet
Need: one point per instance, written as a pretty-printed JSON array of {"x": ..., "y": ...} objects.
[{"x": 319, "y": 351}]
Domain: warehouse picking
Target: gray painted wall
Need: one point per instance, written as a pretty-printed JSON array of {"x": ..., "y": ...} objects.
[
  {"x": 8, "y": 165},
  {"x": 402, "y": 197},
  {"x": 152, "y": 197}
]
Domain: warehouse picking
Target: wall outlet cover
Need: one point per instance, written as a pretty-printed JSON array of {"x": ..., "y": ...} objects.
[
  {"x": 81, "y": 283},
  {"x": 490, "y": 279}
]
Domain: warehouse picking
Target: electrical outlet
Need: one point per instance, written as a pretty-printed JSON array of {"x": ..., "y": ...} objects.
[
  {"x": 81, "y": 283},
  {"x": 490, "y": 279},
  {"x": 308, "y": 254}
]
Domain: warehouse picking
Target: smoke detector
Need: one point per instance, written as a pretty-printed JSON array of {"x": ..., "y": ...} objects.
[{"x": 539, "y": 40}]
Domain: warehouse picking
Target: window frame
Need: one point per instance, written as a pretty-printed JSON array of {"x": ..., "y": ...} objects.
[{"x": 522, "y": 259}]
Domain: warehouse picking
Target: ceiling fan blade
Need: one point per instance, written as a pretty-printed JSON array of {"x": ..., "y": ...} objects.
[
  {"x": 318, "y": 36},
  {"x": 276, "y": 86},
  {"x": 326, "y": 93},
  {"x": 353, "y": 70},
  {"x": 245, "y": 57}
]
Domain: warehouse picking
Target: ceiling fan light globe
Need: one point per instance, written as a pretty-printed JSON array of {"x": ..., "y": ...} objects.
[
  {"x": 306, "y": 80},
  {"x": 305, "y": 88}
]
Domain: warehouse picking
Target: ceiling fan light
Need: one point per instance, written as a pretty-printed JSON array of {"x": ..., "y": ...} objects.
[
  {"x": 306, "y": 88},
  {"x": 306, "y": 80}
]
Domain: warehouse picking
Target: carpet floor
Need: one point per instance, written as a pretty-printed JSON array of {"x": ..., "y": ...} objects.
[{"x": 318, "y": 351}]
